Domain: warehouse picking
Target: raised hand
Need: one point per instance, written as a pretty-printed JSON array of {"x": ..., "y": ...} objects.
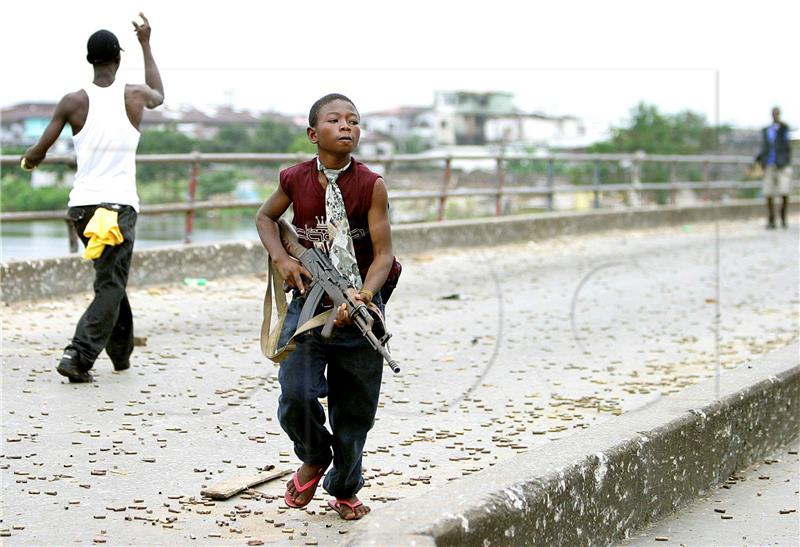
[{"x": 143, "y": 30}]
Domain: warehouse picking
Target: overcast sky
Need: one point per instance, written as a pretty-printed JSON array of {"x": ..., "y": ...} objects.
[{"x": 590, "y": 59}]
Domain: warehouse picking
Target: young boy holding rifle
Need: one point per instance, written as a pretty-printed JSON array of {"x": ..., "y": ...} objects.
[{"x": 340, "y": 211}]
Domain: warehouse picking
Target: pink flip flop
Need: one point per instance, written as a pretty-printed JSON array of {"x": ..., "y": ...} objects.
[
  {"x": 302, "y": 488},
  {"x": 336, "y": 505}
]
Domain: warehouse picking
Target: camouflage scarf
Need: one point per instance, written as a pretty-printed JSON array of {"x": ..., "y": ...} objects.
[{"x": 341, "y": 248}]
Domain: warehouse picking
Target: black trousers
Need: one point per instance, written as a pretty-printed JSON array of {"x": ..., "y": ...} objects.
[{"x": 108, "y": 322}]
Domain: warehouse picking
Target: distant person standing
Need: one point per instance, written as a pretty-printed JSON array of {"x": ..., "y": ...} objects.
[
  {"x": 775, "y": 157},
  {"x": 105, "y": 118}
]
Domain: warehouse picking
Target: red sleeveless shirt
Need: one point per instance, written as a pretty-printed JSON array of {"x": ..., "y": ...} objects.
[{"x": 299, "y": 182}]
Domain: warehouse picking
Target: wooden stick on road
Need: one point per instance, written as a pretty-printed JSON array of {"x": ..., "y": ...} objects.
[{"x": 232, "y": 486}]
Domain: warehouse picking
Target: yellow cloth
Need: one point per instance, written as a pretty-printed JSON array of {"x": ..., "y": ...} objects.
[{"x": 102, "y": 230}]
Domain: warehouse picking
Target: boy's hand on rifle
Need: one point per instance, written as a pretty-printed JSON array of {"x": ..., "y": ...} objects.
[
  {"x": 293, "y": 272},
  {"x": 342, "y": 315}
]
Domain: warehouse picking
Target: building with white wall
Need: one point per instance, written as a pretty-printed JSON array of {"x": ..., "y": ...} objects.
[
  {"x": 22, "y": 124},
  {"x": 471, "y": 118}
]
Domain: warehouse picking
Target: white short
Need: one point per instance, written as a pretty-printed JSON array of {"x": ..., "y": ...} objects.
[{"x": 777, "y": 181}]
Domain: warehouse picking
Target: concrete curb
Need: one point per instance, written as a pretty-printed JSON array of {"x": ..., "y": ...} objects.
[
  {"x": 489, "y": 231},
  {"x": 597, "y": 486},
  {"x": 55, "y": 277}
]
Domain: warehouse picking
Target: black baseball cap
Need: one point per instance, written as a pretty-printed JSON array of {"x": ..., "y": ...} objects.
[{"x": 102, "y": 47}]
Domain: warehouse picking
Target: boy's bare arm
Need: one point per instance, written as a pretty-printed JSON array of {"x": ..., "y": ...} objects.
[
  {"x": 266, "y": 224},
  {"x": 154, "y": 90},
  {"x": 36, "y": 153},
  {"x": 381, "y": 234}
]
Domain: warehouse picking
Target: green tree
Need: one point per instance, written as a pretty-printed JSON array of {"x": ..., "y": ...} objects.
[
  {"x": 12, "y": 150},
  {"x": 528, "y": 166},
  {"x": 164, "y": 142},
  {"x": 300, "y": 143},
  {"x": 229, "y": 139},
  {"x": 653, "y": 132},
  {"x": 272, "y": 136},
  {"x": 16, "y": 194},
  {"x": 221, "y": 181}
]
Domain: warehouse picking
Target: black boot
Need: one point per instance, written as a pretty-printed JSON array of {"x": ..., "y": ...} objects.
[
  {"x": 122, "y": 366},
  {"x": 784, "y": 209},
  {"x": 70, "y": 366},
  {"x": 770, "y": 215}
]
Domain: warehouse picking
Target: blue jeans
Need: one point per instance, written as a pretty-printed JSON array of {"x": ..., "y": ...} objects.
[{"x": 352, "y": 385}]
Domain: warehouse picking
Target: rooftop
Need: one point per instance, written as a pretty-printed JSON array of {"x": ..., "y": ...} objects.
[{"x": 215, "y": 115}]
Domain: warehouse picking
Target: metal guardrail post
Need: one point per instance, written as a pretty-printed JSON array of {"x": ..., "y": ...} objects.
[
  {"x": 72, "y": 235},
  {"x": 596, "y": 183},
  {"x": 706, "y": 193},
  {"x": 673, "y": 178},
  {"x": 190, "y": 199},
  {"x": 634, "y": 198},
  {"x": 501, "y": 181},
  {"x": 448, "y": 172},
  {"x": 387, "y": 168},
  {"x": 551, "y": 182}
]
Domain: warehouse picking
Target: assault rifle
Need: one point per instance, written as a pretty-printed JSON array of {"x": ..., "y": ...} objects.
[{"x": 328, "y": 281}]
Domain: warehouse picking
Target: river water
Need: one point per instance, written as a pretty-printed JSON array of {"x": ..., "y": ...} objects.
[
  {"x": 48, "y": 239},
  {"x": 29, "y": 240}
]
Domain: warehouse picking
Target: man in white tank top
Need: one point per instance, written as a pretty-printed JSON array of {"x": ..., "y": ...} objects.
[{"x": 105, "y": 118}]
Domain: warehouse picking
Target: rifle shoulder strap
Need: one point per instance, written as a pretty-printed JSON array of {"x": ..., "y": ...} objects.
[{"x": 270, "y": 335}]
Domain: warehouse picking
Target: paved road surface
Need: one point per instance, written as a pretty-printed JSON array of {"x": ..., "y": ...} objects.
[
  {"x": 491, "y": 367},
  {"x": 756, "y": 506}
]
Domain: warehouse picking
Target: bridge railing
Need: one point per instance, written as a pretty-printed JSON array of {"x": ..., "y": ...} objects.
[{"x": 631, "y": 163}]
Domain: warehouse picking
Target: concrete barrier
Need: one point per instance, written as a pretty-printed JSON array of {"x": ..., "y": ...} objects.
[
  {"x": 520, "y": 228},
  {"x": 54, "y": 277},
  {"x": 595, "y": 487}
]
